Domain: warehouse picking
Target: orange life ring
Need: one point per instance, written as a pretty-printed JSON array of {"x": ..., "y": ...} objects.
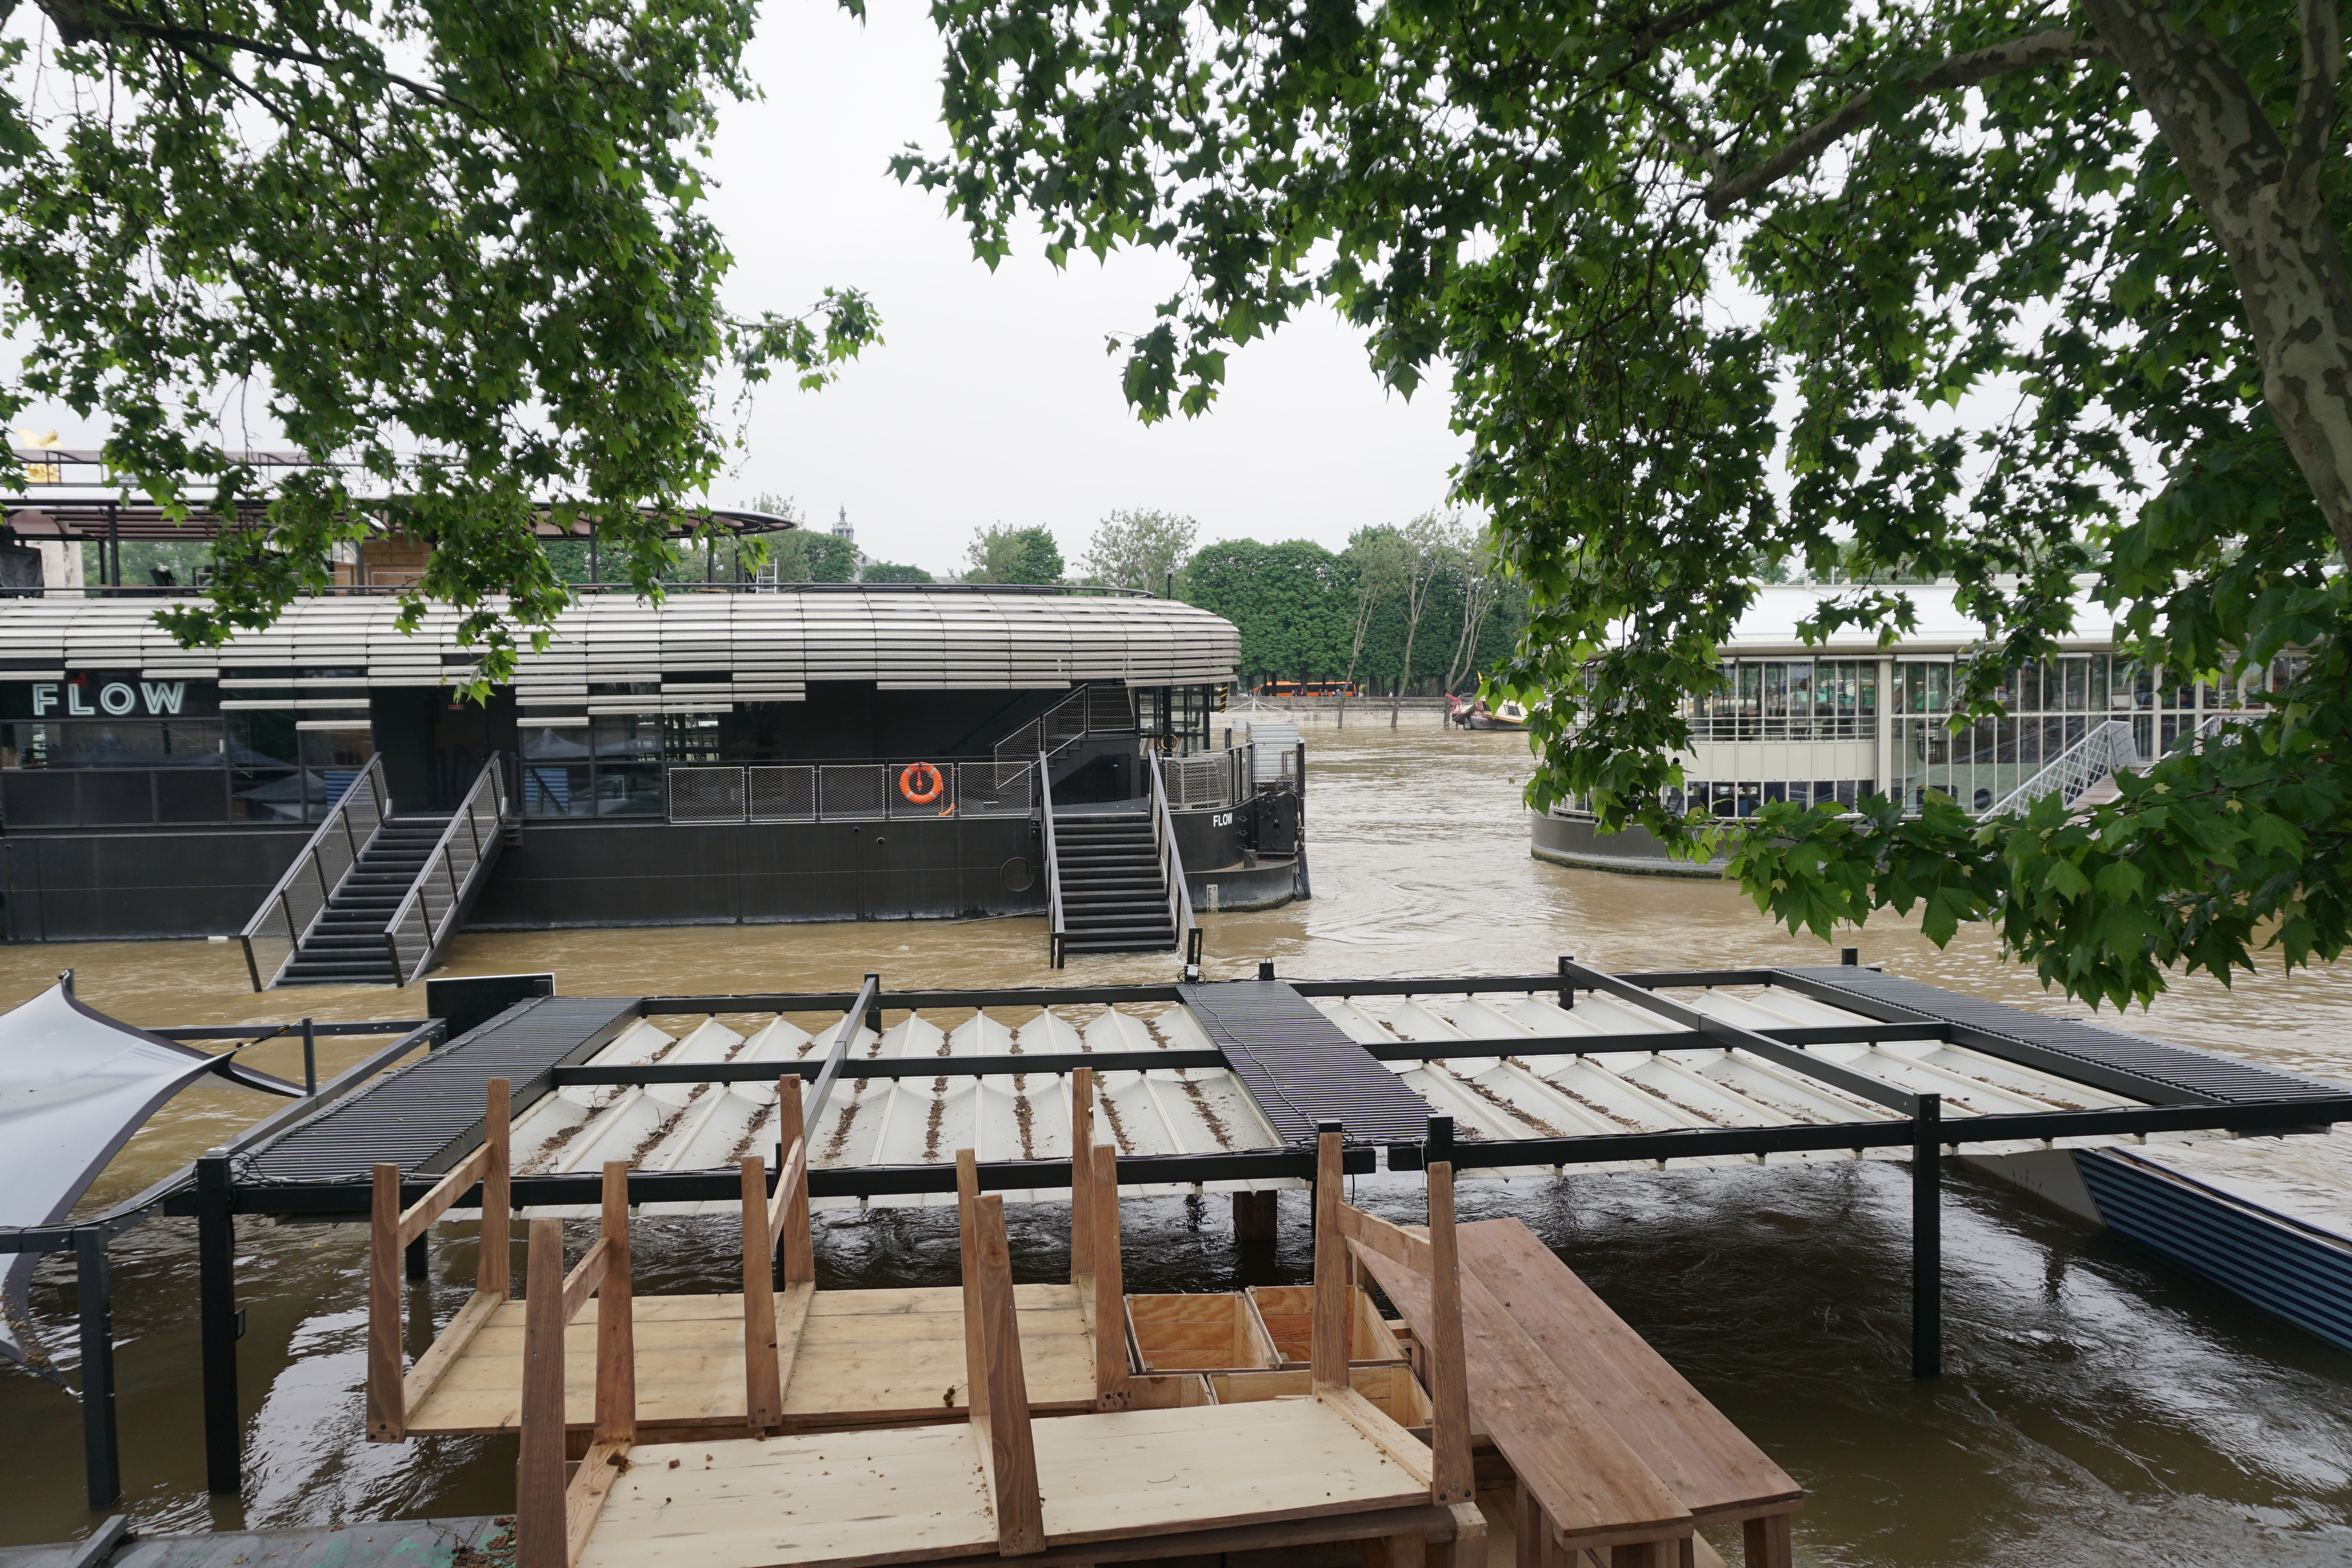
[{"x": 922, "y": 796}]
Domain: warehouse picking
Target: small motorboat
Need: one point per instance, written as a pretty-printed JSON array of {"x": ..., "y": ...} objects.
[{"x": 1472, "y": 713}]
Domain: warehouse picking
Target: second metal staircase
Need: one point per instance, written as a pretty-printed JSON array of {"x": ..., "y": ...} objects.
[{"x": 346, "y": 946}]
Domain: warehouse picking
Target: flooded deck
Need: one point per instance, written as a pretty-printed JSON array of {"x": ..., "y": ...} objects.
[{"x": 2099, "y": 1404}]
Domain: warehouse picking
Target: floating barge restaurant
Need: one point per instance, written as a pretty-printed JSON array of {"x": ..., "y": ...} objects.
[
  {"x": 753, "y": 1109},
  {"x": 1849, "y": 719},
  {"x": 740, "y": 752}
]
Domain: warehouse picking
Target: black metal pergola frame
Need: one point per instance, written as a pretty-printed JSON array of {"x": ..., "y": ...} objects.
[{"x": 213, "y": 1193}]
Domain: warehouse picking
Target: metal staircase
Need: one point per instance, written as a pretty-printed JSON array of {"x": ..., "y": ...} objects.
[
  {"x": 345, "y": 946},
  {"x": 375, "y": 898},
  {"x": 1115, "y": 881}
]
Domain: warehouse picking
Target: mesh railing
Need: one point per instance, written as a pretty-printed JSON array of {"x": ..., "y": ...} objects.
[
  {"x": 1198, "y": 783},
  {"x": 851, "y": 792},
  {"x": 276, "y": 931},
  {"x": 1089, "y": 709},
  {"x": 995, "y": 788},
  {"x": 427, "y": 917},
  {"x": 706, "y": 794},
  {"x": 780, "y": 794},
  {"x": 2074, "y": 770}
]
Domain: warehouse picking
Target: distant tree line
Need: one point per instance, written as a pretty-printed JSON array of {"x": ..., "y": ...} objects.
[{"x": 1412, "y": 609}]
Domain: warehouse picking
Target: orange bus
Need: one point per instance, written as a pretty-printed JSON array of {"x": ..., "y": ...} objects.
[{"x": 1307, "y": 689}]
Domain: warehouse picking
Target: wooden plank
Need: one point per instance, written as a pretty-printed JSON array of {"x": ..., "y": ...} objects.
[
  {"x": 1766, "y": 1541},
  {"x": 1327, "y": 1351},
  {"x": 1110, "y": 1280},
  {"x": 764, "y": 1384},
  {"x": 494, "y": 1269},
  {"x": 975, "y": 1383},
  {"x": 436, "y": 1363},
  {"x": 419, "y": 1218},
  {"x": 1083, "y": 1217},
  {"x": 1272, "y": 1536},
  {"x": 584, "y": 1500},
  {"x": 1595, "y": 1489},
  {"x": 789, "y": 1318},
  {"x": 387, "y": 1416},
  {"x": 1013, "y": 1455},
  {"x": 798, "y": 1244},
  {"x": 541, "y": 1536},
  {"x": 1410, "y": 1453},
  {"x": 585, "y": 1277},
  {"x": 1716, "y": 1469},
  {"x": 1129, "y": 1472},
  {"x": 1449, "y": 1400},
  {"x": 1389, "y": 1240},
  {"x": 807, "y": 1500},
  {"x": 616, "y": 1362}
]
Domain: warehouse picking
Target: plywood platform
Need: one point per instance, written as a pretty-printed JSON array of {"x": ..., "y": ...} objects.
[
  {"x": 846, "y": 1358},
  {"x": 914, "y": 1493}
]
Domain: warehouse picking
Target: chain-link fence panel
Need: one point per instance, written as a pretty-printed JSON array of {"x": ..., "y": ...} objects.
[
  {"x": 922, "y": 789},
  {"x": 852, "y": 794},
  {"x": 783, "y": 794},
  {"x": 996, "y": 789},
  {"x": 1197, "y": 783},
  {"x": 706, "y": 794}
]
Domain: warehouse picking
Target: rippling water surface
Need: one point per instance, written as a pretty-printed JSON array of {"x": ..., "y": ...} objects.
[{"x": 2099, "y": 1407}]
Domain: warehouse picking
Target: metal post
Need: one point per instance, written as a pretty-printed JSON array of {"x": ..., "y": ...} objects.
[
  {"x": 1266, "y": 969},
  {"x": 217, "y": 1316},
  {"x": 874, "y": 1013},
  {"x": 1192, "y": 939},
  {"x": 93, "y": 1290},
  {"x": 1850, "y": 957},
  {"x": 1437, "y": 1147},
  {"x": 417, "y": 1260},
  {"x": 1566, "y": 990},
  {"x": 1927, "y": 1238},
  {"x": 309, "y": 1058}
]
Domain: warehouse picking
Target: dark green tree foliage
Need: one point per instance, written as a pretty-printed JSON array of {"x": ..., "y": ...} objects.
[
  {"x": 886, "y": 571},
  {"x": 805, "y": 556},
  {"x": 459, "y": 249},
  {"x": 1291, "y": 603},
  {"x": 1916, "y": 201},
  {"x": 1003, "y": 554}
]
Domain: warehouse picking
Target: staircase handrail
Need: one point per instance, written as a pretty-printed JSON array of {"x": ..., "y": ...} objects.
[
  {"x": 1038, "y": 733},
  {"x": 336, "y": 827},
  {"x": 1056, "y": 934},
  {"x": 2099, "y": 753},
  {"x": 489, "y": 790},
  {"x": 1172, "y": 865}
]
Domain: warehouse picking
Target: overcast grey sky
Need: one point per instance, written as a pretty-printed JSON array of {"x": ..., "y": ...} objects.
[{"x": 991, "y": 399}]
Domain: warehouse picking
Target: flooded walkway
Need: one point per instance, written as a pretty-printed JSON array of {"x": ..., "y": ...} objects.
[{"x": 2099, "y": 1407}]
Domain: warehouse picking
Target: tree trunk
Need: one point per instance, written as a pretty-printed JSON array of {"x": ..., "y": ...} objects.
[{"x": 2261, "y": 202}]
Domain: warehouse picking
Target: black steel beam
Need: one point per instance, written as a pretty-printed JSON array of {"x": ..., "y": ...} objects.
[
  {"x": 907, "y": 1001},
  {"x": 1730, "y": 1035},
  {"x": 260, "y": 1032},
  {"x": 884, "y": 1067},
  {"x": 1688, "y": 1143},
  {"x": 327, "y": 1199},
  {"x": 1604, "y": 1044},
  {"x": 830, "y": 1073},
  {"x": 101, "y": 1453},
  {"x": 216, "y": 1323},
  {"x": 1471, "y": 985},
  {"x": 1927, "y": 1238},
  {"x": 2025, "y": 1053}
]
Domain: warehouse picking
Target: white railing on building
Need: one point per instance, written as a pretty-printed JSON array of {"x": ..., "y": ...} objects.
[
  {"x": 436, "y": 905},
  {"x": 849, "y": 792},
  {"x": 1172, "y": 866},
  {"x": 275, "y": 933},
  {"x": 1057, "y": 933},
  {"x": 2074, "y": 771}
]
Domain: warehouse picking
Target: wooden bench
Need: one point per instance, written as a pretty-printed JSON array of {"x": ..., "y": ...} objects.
[
  {"x": 1114, "y": 1485},
  {"x": 1627, "y": 1424},
  {"x": 777, "y": 1356}
]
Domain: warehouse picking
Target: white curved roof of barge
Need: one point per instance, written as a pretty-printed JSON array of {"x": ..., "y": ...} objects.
[
  {"x": 770, "y": 642},
  {"x": 1770, "y": 624}
]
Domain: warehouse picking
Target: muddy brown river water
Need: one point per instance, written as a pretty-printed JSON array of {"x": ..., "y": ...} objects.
[{"x": 2099, "y": 1407}]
